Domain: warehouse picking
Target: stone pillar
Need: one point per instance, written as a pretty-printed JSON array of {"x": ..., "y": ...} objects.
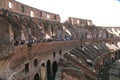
[
  {"x": 11, "y": 33},
  {"x": 22, "y": 35},
  {"x": 43, "y": 73}
]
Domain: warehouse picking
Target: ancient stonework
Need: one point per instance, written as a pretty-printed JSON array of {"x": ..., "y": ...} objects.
[{"x": 35, "y": 45}]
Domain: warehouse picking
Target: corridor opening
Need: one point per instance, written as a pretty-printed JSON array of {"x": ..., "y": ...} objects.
[
  {"x": 37, "y": 77},
  {"x": 54, "y": 69}
]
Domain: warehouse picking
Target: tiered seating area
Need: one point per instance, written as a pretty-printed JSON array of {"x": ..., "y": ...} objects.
[
  {"x": 97, "y": 47},
  {"x": 90, "y": 57}
]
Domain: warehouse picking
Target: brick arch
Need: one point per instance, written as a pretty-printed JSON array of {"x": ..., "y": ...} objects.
[
  {"x": 54, "y": 69},
  {"x": 36, "y": 21},
  {"x": 37, "y": 76},
  {"x": 15, "y": 18},
  {"x": 44, "y": 22},
  {"x": 8, "y": 14},
  {"x": 52, "y": 28},
  {"x": 41, "y": 23},
  {"x": 61, "y": 59},
  {"x": 43, "y": 71},
  {"x": 55, "y": 27},
  {"x": 25, "y": 20},
  {"x": 49, "y": 74},
  {"x": 45, "y": 27}
]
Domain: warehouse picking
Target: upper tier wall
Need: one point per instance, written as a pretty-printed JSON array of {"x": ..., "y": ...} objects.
[
  {"x": 80, "y": 22},
  {"x": 27, "y": 10}
]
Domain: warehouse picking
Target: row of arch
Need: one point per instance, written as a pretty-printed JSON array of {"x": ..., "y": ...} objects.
[
  {"x": 27, "y": 19},
  {"x": 109, "y": 60},
  {"x": 48, "y": 71},
  {"x": 32, "y": 12},
  {"x": 37, "y": 28}
]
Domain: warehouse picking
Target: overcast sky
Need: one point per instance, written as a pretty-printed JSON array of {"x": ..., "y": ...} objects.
[{"x": 102, "y": 12}]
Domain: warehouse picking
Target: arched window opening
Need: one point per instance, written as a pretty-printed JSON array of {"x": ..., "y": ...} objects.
[
  {"x": 27, "y": 67},
  {"x": 10, "y": 5},
  {"x": 60, "y": 52},
  {"x": 40, "y": 14},
  {"x": 25, "y": 20},
  {"x": 54, "y": 54},
  {"x": 49, "y": 76},
  {"x": 22, "y": 9},
  {"x": 43, "y": 65},
  {"x": 32, "y": 14},
  {"x": 43, "y": 71},
  {"x": 35, "y": 62},
  {"x": 36, "y": 77},
  {"x": 16, "y": 18},
  {"x": 78, "y": 21},
  {"x": 48, "y": 16},
  {"x": 54, "y": 69}
]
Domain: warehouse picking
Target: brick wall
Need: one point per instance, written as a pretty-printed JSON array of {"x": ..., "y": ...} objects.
[
  {"x": 80, "y": 22},
  {"x": 27, "y": 10}
]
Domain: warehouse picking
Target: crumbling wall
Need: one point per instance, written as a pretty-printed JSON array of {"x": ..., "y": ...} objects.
[{"x": 18, "y": 7}]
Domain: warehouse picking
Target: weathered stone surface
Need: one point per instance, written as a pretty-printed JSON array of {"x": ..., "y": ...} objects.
[{"x": 33, "y": 43}]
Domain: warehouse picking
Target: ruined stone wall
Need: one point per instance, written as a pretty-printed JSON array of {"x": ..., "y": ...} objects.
[
  {"x": 42, "y": 51},
  {"x": 72, "y": 31},
  {"x": 114, "y": 31},
  {"x": 76, "y": 32},
  {"x": 15, "y": 6},
  {"x": 80, "y": 22}
]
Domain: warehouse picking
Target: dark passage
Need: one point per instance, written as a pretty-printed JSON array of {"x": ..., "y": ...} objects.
[
  {"x": 49, "y": 76},
  {"x": 37, "y": 77},
  {"x": 54, "y": 69}
]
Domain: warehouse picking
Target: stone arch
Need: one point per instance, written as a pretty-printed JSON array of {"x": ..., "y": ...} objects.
[
  {"x": 54, "y": 69},
  {"x": 49, "y": 74},
  {"x": 43, "y": 71},
  {"x": 61, "y": 59},
  {"x": 15, "y": 18},
  {"x": 51, "y": 29},
  {"x": 35, "y": 21},
  {"x": 54, "y": 54},
  {"x": 37, "y": 77},
  {"x": 60, "y": 52},
  {"x": 15, "y": 25},
  {"x": 40, "y": 23},
  {"x": 25, "y": 20},
  {"x": 59, "y": 33}
]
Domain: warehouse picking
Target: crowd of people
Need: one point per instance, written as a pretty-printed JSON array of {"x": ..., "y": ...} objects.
[{"x": 32, "y": 41}]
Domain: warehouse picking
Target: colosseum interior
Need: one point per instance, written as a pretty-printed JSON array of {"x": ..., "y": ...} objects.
[{"x": 35, "y": 45}]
